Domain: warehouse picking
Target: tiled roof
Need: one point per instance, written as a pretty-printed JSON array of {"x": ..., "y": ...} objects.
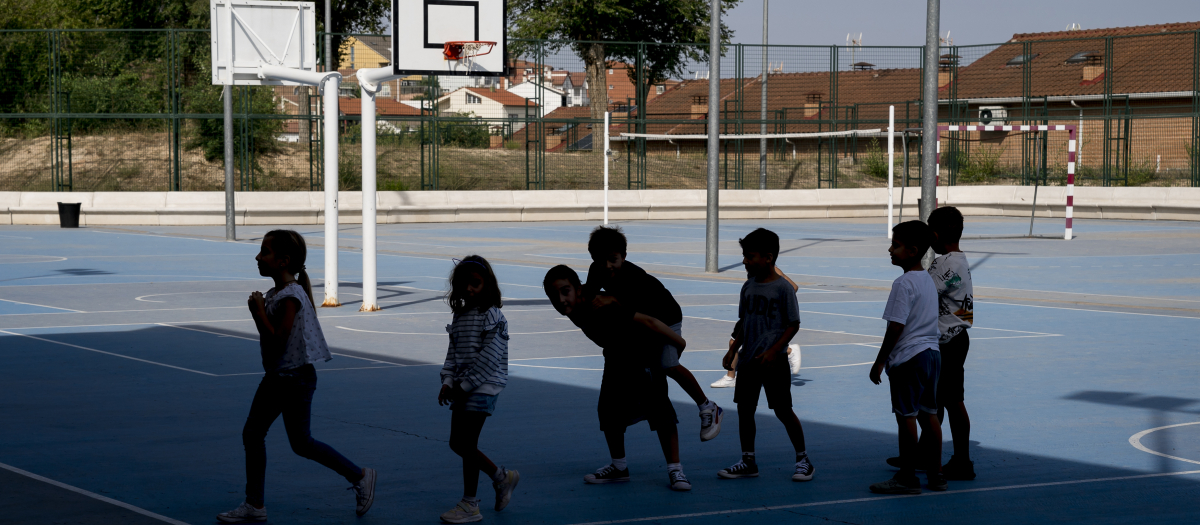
[
  {"x": 1154, "y": 63},
  {"x": 383, "y": 106},
  {"x": 502, "y": 96},
  {"x": 570, "y": 112}
]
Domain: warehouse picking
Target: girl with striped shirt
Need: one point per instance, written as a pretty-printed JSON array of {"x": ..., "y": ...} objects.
[{"x": 475, "y": 372}]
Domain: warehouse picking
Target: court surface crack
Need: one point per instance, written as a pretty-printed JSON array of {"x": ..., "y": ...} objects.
[{"x": 381, "y": 428}]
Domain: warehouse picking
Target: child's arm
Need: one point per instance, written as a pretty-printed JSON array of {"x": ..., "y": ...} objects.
[
  {"x": 658, "y": 327},
  {"x": 889, "y": 342},
  {"x": 773, "y": 351},
  {"x": 445, "y": 395},
  {"x": 795, "y": 287},
  {"x": 734, "y": 345},
  {"x": 274, "y": 336}
]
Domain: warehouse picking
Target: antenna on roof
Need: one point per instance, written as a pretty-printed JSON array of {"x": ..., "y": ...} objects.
[
  {"x": 1073, "y": 27},
  {"x": 947, "y": 41},
  {"x": 854, "y": 45}
]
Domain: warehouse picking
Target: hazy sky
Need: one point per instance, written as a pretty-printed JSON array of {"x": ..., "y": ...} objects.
[{"x": 902, "y": 22}]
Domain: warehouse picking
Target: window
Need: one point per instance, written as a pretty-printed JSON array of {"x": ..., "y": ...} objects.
[
  {"x": 472, "y": 99},
  {"x": 386, "y": 91},
  {"x": 1083, "y": 56},
  {"x": 1022, "y": 59},
  {"x": 610, "y": 86},
  {"x": 658, "y": 90},
  {"x": 610, "y": 71}
]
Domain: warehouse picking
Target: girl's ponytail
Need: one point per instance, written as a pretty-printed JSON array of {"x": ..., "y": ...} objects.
[{"x": 302, "y": 278}]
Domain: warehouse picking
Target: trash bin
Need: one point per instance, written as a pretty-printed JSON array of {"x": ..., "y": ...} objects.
[{"x": 68, "y": 214}]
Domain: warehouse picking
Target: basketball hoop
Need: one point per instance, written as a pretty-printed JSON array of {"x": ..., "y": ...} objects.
[{"x": 465, "y": 51}]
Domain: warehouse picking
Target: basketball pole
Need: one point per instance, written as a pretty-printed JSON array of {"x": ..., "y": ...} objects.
[
  {"x": 711, "y": 223},
  {"x": 230, "y": 225},
  {"x": 607, "y": 158},
  {"x": 929, "y": 131},
  {"x": 369, "y": 81},
  {"x": 891, "y": 162},
  {"x": 329, "y": 140},
  {"x": 762, "y": 127}
]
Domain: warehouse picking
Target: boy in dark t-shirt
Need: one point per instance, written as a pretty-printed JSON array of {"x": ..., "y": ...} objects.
[
  {"x": 643, "y": 293},
  {"x": 633, "y": 387}
]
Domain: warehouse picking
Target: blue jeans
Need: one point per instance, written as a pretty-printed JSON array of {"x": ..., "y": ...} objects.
[{"x": 290, "y": 393}]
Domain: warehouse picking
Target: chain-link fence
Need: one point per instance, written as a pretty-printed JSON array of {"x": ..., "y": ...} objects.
[{"x": 101, "y": 110}]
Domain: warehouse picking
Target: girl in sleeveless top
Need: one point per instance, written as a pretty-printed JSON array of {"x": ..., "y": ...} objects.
[{"x": 291, "y": 340}]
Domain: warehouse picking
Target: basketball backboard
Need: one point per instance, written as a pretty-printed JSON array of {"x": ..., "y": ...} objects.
[
  {"x": 250, "y": 33},
  {"x": 421, "y": 28}
]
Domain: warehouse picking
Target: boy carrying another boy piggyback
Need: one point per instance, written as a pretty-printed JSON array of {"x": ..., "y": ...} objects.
[
  {"x": 633, "y": 387},
  {"x": 910, "y": 355},
  {"x": 770, "y": 318}
]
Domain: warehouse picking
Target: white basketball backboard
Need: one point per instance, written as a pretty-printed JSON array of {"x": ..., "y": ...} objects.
[
  {"x": 250, "y": 33},
  {"x": 421, "y": 28}
]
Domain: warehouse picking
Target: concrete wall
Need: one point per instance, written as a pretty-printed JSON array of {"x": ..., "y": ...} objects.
[{"x": 208, "y": 208}]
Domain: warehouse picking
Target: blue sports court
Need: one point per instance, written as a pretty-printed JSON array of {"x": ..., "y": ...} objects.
[{"x": 130, "y": 360}]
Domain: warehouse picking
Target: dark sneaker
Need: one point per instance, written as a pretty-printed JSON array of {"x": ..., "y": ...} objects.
[
  {"x": 740, "y": 469},
  {"x": 607, "y": 474},
  {"x": 895, "y": 462},
  {"x": 937, "y": 482},
  {"x": 907, "y": 484},
  {"x": 504, "y": 489},
  {"x": 678, "y": 481},
  {"x": 959, "y": 470},
  {"x": 364, "y": 492},
  {"x": 804, "y": 470}
]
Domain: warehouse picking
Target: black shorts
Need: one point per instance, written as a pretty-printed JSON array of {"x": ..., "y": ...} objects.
[
  {"x": 775, "y": 378},
  {"x": 954, "y": 357},
  {"x": 629, "y": 394}
]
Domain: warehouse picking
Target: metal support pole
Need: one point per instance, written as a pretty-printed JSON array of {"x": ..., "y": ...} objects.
[
  {"x": 330, "y": 141},
  {"x": 891, "y": 162},
  {"x": 711, "y": 222},
  {"x": 929, "y": 131},
  {"x": 607, "y": 159},
  {"x": 230, "y": 227},
  {"x": 370, "y": 299},
  {"x": 328, "y": 38},
  {"x": 762, "y": 128}
]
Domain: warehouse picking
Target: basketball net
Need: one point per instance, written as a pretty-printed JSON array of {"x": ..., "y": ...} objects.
[{"x": 464, "y": 52}]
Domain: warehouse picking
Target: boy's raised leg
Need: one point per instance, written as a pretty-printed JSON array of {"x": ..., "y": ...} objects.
[{"x": 711, "y": 415}]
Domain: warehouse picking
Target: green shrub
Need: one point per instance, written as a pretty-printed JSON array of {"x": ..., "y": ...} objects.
[
  {"x": 982, "y": 165},
  {"x": 875, "y": 162}
]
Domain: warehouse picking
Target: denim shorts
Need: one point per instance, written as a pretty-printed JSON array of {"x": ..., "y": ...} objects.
[
  {"x": 670, "y": 352},
  {"x": 914, "y": 384},
  {"x": 476, "y": 403}
]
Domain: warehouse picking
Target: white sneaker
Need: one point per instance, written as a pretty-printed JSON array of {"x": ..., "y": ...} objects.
[
  {"x": 725, "y": 382},
  {"x": 794, "y": 358},
  {"x": 463, "y": 512},
  {"x": 710, "y": 421},
  {"x": 245, "y": 513},
  {"x": 504, "y": 489}
]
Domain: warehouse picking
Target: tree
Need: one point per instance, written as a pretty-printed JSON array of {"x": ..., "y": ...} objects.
[{"x": 591, "y": 27}]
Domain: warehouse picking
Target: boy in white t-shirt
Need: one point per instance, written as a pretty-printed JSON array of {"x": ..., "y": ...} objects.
[
  {"x": 952, "y": 276},
  {"x": 910, "y": 354}
]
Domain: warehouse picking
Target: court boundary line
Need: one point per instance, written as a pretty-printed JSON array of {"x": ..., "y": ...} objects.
[
  {"x": 110, "y": 353},
  {"x": 68, "y": 310},
  {"x": 886, "y": 498},
  {"x": 92, "y": 495}
]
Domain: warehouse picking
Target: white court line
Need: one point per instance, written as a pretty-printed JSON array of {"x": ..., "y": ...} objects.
[
  {"x": 68, "y": 310},
  {"x": 805, "y": 329},
  {"x": 1136, "y": 441},
  {"x": 213, "y": 280},
  {"x": 256, "y": 340},
  {"x": 1097, "y": 311},
  {"x": 885, "y": 498},
  {"x": 110, "y": 353},
  {"x": 52, "y": 258},
  {"x": 445, "y": 334},
  {"x": 92, "y": 495},
  {"x": 143, "y": 299},
  {"x": 128, "y": 311},
  {"x": 323, "y": 370}
]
